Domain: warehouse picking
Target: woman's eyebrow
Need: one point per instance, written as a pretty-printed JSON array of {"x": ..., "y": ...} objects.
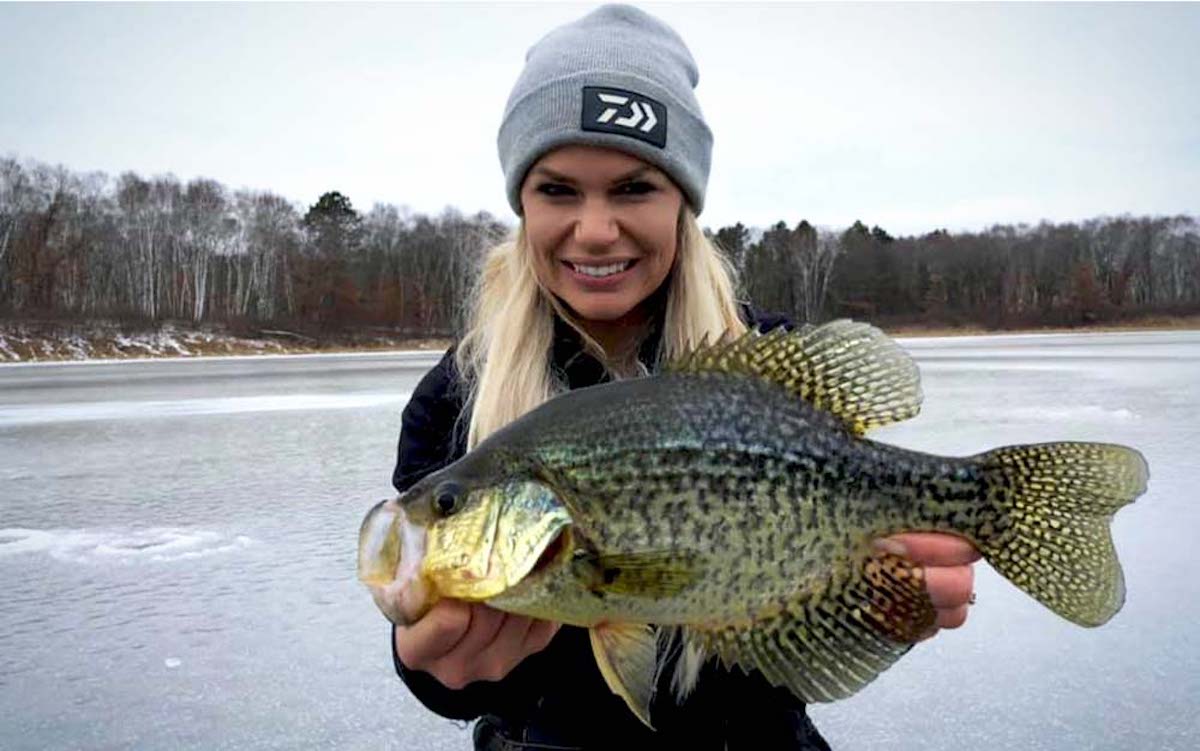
[
  {"x": 556, "y": 176},
  {"x": 639, "y": 172}
]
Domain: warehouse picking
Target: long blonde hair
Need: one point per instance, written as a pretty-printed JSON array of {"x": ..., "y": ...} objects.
[{"x": 505, "y": 355}]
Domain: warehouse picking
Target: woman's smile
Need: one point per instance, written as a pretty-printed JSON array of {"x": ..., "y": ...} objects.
[{"x": 601, "y": 275}]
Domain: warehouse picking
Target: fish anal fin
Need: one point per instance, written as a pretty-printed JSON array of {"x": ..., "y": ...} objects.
[
  {"x": 829, "y": 644},
  {"x": 847, "y": 368},
  {"x": 626, "y": 654}
]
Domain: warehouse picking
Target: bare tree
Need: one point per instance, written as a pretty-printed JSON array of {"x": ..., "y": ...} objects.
[{"x": 155, "y": 248}]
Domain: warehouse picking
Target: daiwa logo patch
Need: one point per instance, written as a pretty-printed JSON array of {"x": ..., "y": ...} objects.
[{"x": 626, "y": 113}]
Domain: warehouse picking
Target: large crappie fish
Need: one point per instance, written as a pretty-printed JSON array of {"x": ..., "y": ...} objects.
[{"x": 731, "y": 502}]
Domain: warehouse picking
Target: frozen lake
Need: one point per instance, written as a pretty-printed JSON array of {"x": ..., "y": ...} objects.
[{"x": 177, "y": 546}]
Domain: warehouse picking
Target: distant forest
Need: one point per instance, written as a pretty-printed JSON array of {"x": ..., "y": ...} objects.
[{"x": 83, "y": 246}]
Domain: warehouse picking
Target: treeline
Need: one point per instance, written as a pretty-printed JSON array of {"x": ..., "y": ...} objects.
[
  {"x": 1007, "y": 276},
  {"x": 138, "y": 249}
]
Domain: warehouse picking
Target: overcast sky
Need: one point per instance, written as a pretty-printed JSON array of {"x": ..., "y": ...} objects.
[{"x": 912, "y": 117}]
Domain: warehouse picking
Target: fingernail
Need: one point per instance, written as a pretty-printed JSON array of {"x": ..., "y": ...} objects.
[{"x": 888, "y": 545}]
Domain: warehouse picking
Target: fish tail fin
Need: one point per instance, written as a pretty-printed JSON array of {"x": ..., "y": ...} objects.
[{"x": 1050, "y": 534}]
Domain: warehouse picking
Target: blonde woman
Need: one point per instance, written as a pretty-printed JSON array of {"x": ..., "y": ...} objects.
[{"x": 606, "y": 157}]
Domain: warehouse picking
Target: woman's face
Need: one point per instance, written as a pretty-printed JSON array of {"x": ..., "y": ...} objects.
[{"x": 602, "y": 225}]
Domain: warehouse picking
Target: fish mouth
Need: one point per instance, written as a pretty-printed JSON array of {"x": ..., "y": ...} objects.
[
  {"x": 390, "y": 552},
  {"x": 378, "y": 544}
]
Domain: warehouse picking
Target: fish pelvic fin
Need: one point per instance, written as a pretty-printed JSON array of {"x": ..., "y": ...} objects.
[
  {"x": 1051, "y": 533},
  {"x": 825, "y": 645},
  {"x": 848, "y": 368},
  {"x": 627, "y": 655}
]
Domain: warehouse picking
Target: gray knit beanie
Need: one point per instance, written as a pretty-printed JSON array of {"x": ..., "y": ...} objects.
[{"x": 618, "y": 77}]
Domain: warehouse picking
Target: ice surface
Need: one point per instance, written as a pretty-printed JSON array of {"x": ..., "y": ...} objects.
[
  {"x": 35, "y": 414},
  {"x": 156, "y": 544},
  {"x": 280, "y": 647}
]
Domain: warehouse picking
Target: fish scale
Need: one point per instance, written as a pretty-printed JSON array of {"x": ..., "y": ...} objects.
[
  {"x": 814, "y": 486},
  {"x": 728, "y": 505}
]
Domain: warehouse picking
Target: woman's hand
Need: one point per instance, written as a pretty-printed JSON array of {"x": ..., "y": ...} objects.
[
  {"x": 949, "y": 578},
  {"x": 460, "y": 643}
]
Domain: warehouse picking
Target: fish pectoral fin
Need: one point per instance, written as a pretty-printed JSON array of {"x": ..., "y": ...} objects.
[
  {"x": 828, "y": 645},
  {"x": 847, "y": 368},
  {"x": 649, "y": 574},
  {"x": 627, "y": 654}
]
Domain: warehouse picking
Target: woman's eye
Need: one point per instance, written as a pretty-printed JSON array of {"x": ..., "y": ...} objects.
[
  {"x": 555, "y": 190},
  {"x": 636, "y": 188}
]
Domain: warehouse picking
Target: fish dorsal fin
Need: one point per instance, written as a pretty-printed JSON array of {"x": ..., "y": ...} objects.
[
  {"x": 627, "y": 655},
  {"x": 825, "y": 645},
  {"x": 847, "y": 368}
]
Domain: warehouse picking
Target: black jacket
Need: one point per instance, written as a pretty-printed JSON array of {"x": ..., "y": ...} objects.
[{"x": 558, "y": 696}]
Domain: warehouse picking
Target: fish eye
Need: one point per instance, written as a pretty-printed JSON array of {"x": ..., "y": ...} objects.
[{"x": 447, "y": 497}]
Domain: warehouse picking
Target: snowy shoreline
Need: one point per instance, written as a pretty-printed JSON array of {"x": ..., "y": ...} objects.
[
  {"x": 27, "y": 344},
  {"x": 415, "y": 354}
]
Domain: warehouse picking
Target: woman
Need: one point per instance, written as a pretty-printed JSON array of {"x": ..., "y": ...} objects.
[{"x": 606, "y": 158}]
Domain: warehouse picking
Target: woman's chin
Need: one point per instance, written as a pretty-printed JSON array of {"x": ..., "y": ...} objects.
[
  {"x": 599, "y": 308},
  {"x": 602, "y": 314}
]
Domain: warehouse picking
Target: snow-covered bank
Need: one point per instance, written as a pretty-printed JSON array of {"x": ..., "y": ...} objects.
[
  {"x": 28, "y": 342},
  {"x": 53, "y": 342}
]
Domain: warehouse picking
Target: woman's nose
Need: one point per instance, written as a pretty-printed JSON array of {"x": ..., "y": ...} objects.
[{"x": 596, "y": 224}]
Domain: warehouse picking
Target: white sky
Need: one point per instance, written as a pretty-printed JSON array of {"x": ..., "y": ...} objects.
[{"x": 912, "y": 117}]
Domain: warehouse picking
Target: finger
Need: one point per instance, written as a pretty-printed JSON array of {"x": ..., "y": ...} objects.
[
  {"x": 949, "y": 587},
  {"x": 511, "y": 636},
  {"x": 462, "y": 664},
  {"x": 539, "y": 636},
  {"x": 504, "y": 651},
  {"x": 485, "y": 622},
  {"x": 435, "y": 635},
  {"x": 932, "y": 548},
  {"x": 952, "y": 617}
]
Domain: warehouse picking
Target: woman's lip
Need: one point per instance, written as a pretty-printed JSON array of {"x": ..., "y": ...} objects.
[
  {"x": 594, "y": 262},
  {"x": 602, "y": 282}
]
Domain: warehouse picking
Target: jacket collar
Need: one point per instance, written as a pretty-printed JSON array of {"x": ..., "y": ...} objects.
[{"x": 579, "y": 368}]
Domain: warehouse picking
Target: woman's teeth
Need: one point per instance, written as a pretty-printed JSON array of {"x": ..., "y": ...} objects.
[{"x": 601, "y": 271}]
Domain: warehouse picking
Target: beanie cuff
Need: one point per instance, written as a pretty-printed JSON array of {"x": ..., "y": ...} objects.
[{"x": 551, "y": 116}]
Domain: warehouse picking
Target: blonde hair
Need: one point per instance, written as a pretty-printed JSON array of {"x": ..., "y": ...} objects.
[{"x": 505, "y": 355}]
